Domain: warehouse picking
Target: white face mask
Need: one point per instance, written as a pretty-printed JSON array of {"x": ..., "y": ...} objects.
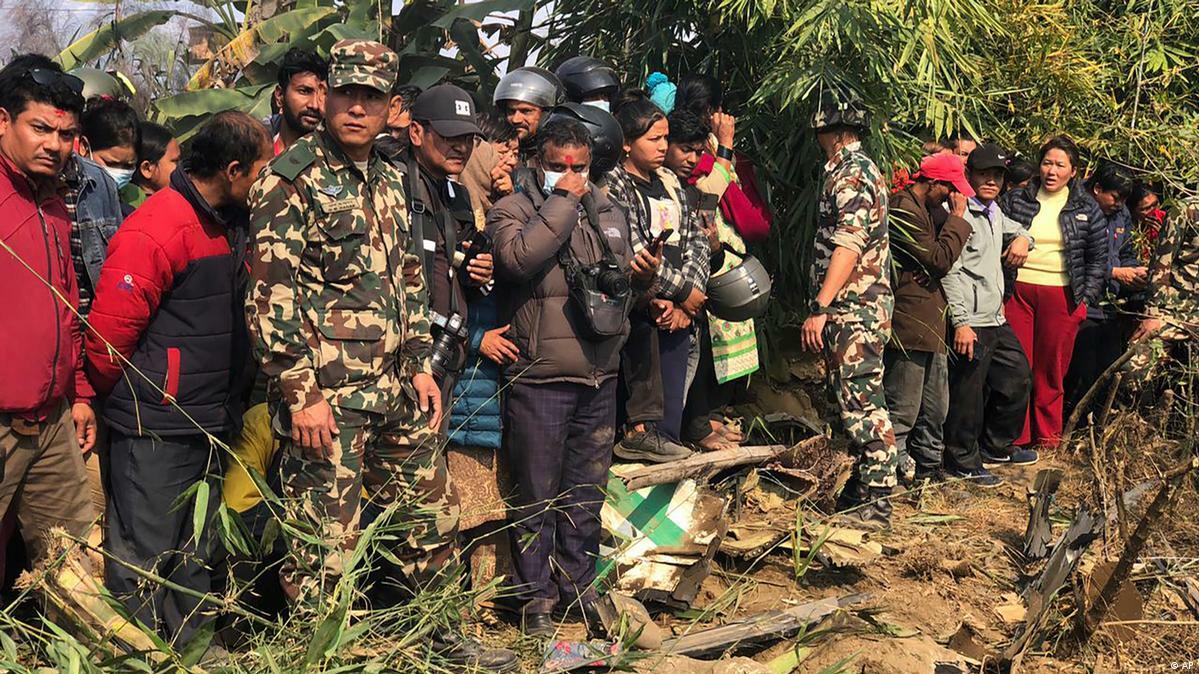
[
  {"x": 602, "y": 104},
  {"x": 120, "y": 176},
  {"x": 551, "y": 179}
]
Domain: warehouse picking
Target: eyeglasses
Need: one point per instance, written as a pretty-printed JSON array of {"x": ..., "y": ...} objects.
[{"x": 47, "y": 78}]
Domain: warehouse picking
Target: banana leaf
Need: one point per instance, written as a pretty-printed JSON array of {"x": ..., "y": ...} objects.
[
  {"x": 184, "y": 113},
  {"x": 245, "y": 47},
  {"x": 106, "y": 38}
]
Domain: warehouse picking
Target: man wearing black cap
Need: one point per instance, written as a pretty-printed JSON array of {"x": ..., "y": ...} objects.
[
  {"x": 988, "y": 377},
  {"x": 441, "y": 140}
]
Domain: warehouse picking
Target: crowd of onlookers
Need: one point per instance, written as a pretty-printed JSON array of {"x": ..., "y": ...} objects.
[{"x": 337, "y": 291}]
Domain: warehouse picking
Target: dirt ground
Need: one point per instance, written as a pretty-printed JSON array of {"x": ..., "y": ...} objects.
[
  {"x": 949, "y": 562},
  {"x": 946, "y": 566}
]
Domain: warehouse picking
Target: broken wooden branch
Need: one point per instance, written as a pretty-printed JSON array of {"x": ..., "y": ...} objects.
[
  {"x": 1157, "y": 508},
  {"x": 769, "y": 626},
  {"x": 703, "y": 465},
  {"x": 1083, "y": 405}
]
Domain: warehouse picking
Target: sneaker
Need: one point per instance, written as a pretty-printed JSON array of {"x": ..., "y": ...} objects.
[
  {"x": 649, "y": 445},
  {"x": 981, "y": 477},
  {"x": 1023, "y": 457}
]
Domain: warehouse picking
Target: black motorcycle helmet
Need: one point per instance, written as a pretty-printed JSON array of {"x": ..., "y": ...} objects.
[
  {"x": 584, "y": 76},
  {"x": 607, "y": 140}
]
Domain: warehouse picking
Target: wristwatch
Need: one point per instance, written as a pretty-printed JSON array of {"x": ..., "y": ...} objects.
[
  {"x": 815, "y": 308},
  {"x": 724, "y": 152}
]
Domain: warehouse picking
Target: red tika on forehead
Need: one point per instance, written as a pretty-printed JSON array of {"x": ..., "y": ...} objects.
[{"x": 59, "y": 112}]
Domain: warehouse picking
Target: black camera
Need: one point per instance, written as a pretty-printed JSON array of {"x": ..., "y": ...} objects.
[
  {"x": 448, "y": 356},
  {"x": 609, "y": 279}
]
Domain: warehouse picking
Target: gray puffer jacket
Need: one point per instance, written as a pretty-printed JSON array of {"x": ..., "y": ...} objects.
[{"x": 528, "y": 230}]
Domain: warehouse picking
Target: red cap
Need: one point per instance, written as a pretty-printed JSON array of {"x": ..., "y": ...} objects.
[{"x": 945, "y": 168}]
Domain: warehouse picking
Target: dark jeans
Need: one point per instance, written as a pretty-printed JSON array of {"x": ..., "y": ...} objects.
[
  {"x": 144, "y": 477},
  {"x": 1097, "y": 345},
  {"x": 706, "y": 395},
  {"x": 558, "y": 439},
  {"x": 916, "y": 384},
  {"x": 641, "y": 373},
  {"x": 988, "y": 398},
  {"x": 674, "y": 349}
]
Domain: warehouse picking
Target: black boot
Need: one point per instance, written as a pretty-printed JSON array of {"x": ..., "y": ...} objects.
[
  {"x": 462, "y": 651},
  {"x": 865, "y": 507},
  {"x": 539, "y": 625}
]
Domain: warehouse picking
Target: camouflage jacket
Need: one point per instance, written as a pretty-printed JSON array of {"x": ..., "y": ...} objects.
[
  {"x": 853, "y": 215},
  {"x": 337, "y": 301},
  {"x": 1174, "y": 271}
]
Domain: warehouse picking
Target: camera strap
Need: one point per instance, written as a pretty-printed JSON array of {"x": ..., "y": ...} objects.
[
  {"x": 425, "y": 225},
  {"x": 566, "y": 257}
]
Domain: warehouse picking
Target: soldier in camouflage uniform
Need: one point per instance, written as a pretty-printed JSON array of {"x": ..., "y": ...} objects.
[
  {"x": 1172, "y": 311},
  {"x": 850, "y": 317},
  {"x": 339, "y": 311}
]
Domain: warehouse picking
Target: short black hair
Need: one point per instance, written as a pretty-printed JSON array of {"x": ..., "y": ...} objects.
[
  {"x": 18, "y": 88},
  {"x": 1141, "y": 190},
  {"x": 686, "y": 126},
  {"x": 700, "y": 94},
  {"x": 563, "y": 132},
  {"x": 227, "y": 137},
  {"x": 153, "y": 141},
  {"x": 637, "y": 114},
  {"x": 1065, "y": 144},
  {"x": 110, "y": 122},
  {"x": 496, "y": 128},
  {"x": 1020, "y": 170},
  {"x": 297, "y": 61},
  {"x": 1111, "y": 177},
  {"x": 407, "y": 94}
]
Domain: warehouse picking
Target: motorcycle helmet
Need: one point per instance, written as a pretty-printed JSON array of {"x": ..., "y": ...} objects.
[
  {"x": 740, "y": 293},
  {"x": 584, "y": 76},
  {"x": 529, "y": 84}
]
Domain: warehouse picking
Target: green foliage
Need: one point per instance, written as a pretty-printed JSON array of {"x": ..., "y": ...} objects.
[
  {"x": 105, "y": 38},
  {"x": 1119, "y": 77}
]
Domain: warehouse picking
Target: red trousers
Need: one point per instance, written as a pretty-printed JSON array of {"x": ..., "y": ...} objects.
[{"x": 1045, "y": 321}]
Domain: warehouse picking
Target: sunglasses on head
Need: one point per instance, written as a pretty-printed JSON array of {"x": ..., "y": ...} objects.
[{"x": 48, "y": 78}]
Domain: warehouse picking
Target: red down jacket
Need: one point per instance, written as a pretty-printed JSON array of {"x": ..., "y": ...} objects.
[
  {"x": 165, "y": 302},
  {"x": 39, "y": 334}
]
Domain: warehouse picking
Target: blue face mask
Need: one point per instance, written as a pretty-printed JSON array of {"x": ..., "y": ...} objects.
[
  {"x": 551, "y": 179},
  {"x": 604, "y": 105},
  {"x": 121, "y": 177}
]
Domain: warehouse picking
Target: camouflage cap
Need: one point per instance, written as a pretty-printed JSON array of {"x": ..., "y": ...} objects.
[
  {"x": 839, "y": 109},
  {"x": 363, "y": 62}
]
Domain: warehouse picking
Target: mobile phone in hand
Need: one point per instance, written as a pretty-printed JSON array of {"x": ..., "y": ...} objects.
[{"x": 656, "y": 244}]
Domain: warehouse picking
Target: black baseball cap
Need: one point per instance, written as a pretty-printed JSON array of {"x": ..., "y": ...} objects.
[
  {"x": 448, "y": 109},
  {"x": 987, "y": 156}
]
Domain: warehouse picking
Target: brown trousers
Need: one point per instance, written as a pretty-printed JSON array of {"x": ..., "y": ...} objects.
[{"x": 44, "y": 478}]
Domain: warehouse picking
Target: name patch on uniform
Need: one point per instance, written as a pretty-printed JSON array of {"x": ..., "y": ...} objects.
[{"x": 339, "y": 206}]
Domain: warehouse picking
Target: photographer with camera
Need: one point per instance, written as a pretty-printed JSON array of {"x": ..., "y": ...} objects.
[
  {"x": 456, "y": 258},
  {"x": 563, "y": 253}
]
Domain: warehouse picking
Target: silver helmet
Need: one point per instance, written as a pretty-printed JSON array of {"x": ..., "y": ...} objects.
[
  {"x": 529, "y": 84},
  {"x": 740, "y": 293}
]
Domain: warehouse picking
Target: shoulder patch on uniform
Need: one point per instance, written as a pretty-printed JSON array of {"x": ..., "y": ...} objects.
[{"x": 293, "y": 161}]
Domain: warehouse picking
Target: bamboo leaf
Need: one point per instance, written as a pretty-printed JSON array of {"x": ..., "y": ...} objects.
[
  {"x": 200, "y": 512},
  {"x": 108, "y": 36}
]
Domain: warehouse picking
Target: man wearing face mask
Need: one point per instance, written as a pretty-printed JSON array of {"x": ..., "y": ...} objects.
[
  {"x": 441, "y": 139},
  {"x": 561, "y": 408},
  {"x": 92, "y": 180},
  {"x": 589, "y": 81}
]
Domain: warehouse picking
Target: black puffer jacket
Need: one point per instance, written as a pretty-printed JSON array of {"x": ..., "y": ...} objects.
[{"x": 1084, "y": 232}]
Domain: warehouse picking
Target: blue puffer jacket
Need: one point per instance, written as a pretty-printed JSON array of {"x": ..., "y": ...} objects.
[
  {"x": 475, "y": 417},
  {"x": 1084, "y": 234}
]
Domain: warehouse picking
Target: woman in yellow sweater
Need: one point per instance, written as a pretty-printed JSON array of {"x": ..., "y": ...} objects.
[{"x": 1064, "y": 272}]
